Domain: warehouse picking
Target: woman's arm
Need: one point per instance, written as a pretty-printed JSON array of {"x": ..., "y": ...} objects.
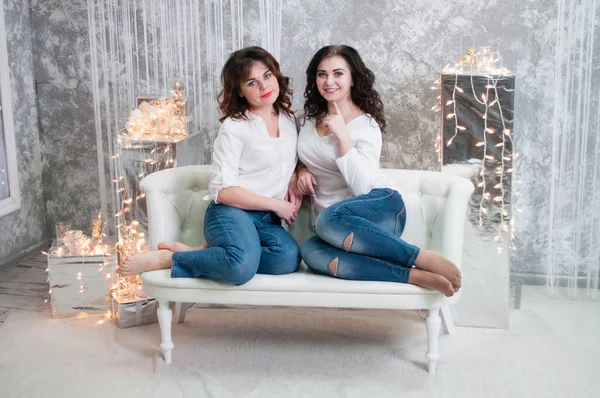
[
  {"x": 358, "y": 161},
  {"x": 243, "y": 199},
  {"x": 360, "y": 165},
  {"x": 293, "y": 194}
]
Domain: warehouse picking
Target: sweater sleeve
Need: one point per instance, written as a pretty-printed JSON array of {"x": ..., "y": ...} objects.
[
  {"x": 360, "y": 165},
  {"x": 227, "y": 153}
]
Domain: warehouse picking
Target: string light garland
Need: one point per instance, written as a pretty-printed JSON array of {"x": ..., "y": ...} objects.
[
  {"x": 145, "y": 146},
  {"x": 479, "y": 87}
]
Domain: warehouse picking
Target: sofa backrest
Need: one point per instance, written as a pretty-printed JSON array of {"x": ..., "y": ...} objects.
[{"x": 178, "y": 193}]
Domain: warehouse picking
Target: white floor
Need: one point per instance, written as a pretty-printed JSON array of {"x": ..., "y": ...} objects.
[
  {"x": 575, "y": 320},
  {"x": 552, "y": 349}
]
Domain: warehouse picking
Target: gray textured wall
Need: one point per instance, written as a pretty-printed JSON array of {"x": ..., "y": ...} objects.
[
  {"x": 67, "y": 135},
  {"x": 405, "y": 42},
  {"x": 22, "y": 231}
]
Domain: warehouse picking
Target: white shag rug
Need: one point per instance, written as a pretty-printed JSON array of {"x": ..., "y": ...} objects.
[{"x": 285, "y": 352}]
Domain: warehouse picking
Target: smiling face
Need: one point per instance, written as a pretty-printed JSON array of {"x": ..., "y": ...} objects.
[
  {"x": 260, "y": 88},
  {"x": 334, "y": 78}
]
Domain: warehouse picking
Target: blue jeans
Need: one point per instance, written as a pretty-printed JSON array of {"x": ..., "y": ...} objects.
[
  {"x": 242, "y": 244},
  {"x": 375, "y": 251}
]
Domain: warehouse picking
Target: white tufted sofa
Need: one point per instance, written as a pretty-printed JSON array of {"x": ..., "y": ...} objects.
[{"x": 436, "y": 206}]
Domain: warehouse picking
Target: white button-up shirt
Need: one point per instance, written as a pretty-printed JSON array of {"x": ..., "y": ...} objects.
[{"x": 245, "y": 156}]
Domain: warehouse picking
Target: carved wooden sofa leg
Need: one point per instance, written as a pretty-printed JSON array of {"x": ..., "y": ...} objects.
[
  {"x": 164, "y": 320},
  {"x": 434, "y": 323}
]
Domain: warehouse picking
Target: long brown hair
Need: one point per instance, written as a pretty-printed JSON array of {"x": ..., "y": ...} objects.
[
  {"x": 363, "y": 93},
  {"x": 236, "y": 70}
]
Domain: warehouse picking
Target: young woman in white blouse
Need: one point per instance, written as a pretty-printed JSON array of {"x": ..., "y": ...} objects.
[
  {"x": 254, "y": 159},
  {"x": 360, "y": 216}
]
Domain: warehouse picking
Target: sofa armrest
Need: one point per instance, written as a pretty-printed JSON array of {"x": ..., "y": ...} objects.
[
  {"x": 449, "y": 226},
  {"x": 168, "y": 195}
]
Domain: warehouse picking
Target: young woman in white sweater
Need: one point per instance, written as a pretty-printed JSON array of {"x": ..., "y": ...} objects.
[
  {"x": 254, "y": 159},
  {"x": 360, "y": 216}
]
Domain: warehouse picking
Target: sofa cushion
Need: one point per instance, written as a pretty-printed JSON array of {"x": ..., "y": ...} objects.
[
  {"x": 301, "y": 281},
  {"x": 191, "y": 208}
]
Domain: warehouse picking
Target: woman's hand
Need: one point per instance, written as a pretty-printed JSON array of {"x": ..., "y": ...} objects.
[
  {"x": 306, "y": 182},
  {"x": 293, "y": 194},
  {"x": 335, "y": 123},
  {"x": 285, "y": 210}
]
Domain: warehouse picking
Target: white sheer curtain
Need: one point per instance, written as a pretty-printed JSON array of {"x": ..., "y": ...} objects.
[
  {"x": 4, "y": 189},
  {"x": 574, "y": 234}
]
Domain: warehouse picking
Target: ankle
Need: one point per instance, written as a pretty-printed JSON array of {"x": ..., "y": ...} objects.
[
  {"x": 165, "y": 258},
  {"x": 423, "y": 258}
]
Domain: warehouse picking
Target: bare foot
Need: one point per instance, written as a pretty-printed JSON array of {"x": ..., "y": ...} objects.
[
  {"x": 428, "y": 260},
  {"x": 147, "y": 261},
  {"x": 179, "y": 247},
  {"x": 430, "y": 280}
]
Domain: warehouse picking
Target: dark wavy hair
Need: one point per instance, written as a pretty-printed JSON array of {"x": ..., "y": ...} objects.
[
  {"x": 236, "y": 70},
  {"x": 362, "y": 92}
]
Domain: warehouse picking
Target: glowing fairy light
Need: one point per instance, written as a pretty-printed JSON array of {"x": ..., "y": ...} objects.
[{"x": 159, "y": 119}]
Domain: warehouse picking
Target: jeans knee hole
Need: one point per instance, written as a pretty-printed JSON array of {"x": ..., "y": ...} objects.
[
  {"x": 333, "y": 266},
  {"x": 348, "y": 241}
]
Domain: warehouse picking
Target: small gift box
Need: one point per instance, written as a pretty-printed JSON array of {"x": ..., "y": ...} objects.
[{"x": 133, "y": 310}]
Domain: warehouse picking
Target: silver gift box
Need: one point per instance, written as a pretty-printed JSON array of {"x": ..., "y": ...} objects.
[
  {"x": 78, "y": 284},
  {"x": 133, "y": 311}
]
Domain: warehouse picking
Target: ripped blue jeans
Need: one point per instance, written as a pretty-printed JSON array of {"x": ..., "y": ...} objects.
[{"x": 359, "y": 238}]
